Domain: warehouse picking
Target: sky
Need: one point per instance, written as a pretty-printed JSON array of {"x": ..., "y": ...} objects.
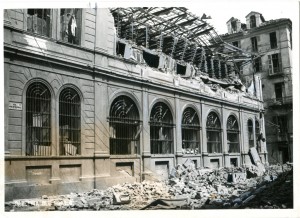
[{"x": 222, "y": 11}]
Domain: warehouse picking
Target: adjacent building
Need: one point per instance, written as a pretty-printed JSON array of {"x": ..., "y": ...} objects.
[
  {"x": 96, "y": 97},
  {"x": 270, "y": 44}
]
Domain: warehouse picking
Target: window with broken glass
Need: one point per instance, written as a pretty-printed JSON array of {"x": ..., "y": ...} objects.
[
  {"x": 254, "y": 44},
  {"x": 213, "y": 133},
  {"x": 38, "y": 114},
  {"x": 258, "y": 64},
  {"x": 273, "y": 40},
  {"x": 70, "y": 25},
  {"x": 252, "y": 21},
  {"x": 124, "y": 127},
  {"x": 69, "y": 122},
  {"x": 233, "y": 135},
  {"x": 275, "y": 65},
  {"x": 39, "y": 21},
  {"x": 250, "y": 133},
  {"x": 190, "y": 132},
  {"x": 161, "y": 129}
]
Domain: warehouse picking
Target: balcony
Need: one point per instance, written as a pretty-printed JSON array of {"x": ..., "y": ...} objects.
[{"x": 279, "y": 101}]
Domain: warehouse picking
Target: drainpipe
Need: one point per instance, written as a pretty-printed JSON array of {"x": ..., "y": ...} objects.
[{"x": 94, "y": 77}]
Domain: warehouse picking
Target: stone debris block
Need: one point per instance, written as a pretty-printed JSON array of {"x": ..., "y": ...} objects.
[
  {"x": 119, "y": 198},
  {"x": 239, "y": 177}
]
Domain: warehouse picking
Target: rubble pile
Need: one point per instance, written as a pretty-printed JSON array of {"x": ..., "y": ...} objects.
[
  {"x": 187, "y": 188},
  {"x": 278, "y": 194}
]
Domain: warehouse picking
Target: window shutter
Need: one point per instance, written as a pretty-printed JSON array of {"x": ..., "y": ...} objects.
[{"x": 270, "y": 70}]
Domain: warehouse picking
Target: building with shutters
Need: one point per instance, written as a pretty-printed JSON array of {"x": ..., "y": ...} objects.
[
  {"x": 95, "y": 97},
  {"x": 270, "y": 43}
]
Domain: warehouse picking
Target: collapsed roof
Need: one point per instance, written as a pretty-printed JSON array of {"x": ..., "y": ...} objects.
[{"x": 179, "y": 34}]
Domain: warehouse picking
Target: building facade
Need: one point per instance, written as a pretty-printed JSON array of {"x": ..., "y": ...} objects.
[
  {"x": 85, "y": 107},
  {"x": 270, "y": 43}
]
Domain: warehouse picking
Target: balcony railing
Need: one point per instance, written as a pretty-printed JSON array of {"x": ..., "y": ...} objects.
[{"x": 279, "y": 101}]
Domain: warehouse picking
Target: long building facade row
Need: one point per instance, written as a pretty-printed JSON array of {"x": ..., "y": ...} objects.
[{"x": 80, "y": 117}]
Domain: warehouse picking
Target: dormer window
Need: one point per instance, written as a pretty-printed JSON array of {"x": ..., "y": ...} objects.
[
  {"x": 233, "y": 26},
  {"x": 252, "y": 21}
]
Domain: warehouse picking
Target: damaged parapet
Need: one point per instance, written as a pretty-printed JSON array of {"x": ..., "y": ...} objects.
[{"x": 195, "y": 58}]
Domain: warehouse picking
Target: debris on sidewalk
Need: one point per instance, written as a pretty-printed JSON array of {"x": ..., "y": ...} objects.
[{"x": 188, "y": 187}]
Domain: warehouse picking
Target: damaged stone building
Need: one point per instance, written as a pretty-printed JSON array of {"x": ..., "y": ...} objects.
[
  {"x": 96, "y": 97},
  {"x": 270, "y": 43}
]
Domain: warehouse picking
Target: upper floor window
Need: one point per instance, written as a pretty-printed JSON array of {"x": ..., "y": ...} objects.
[
  {"x": 124, "y": 126},
  {"x": 161, "y": 129},
  {"x": 273, "y": 40},
  {"x": 70, "y": 24},
  {"x": 274, "y": 63},
  {"x": 233, "y": 135},
  {"x": 190, "y": 131},
  {"x": 69, "y": 122},
  {"x": 39, "y": 21},
  {"x": 278, "y": 91},
  {"x": 213, "y": 133},
  {"x": 252, "y": 21},
  {"x": 250, "y": 134},
  {"x": 233, "y": 26},
  {"x": 38, "y": 114},
  {"x": 258, "y": 64},
  {"x": 254, "y": 44}
]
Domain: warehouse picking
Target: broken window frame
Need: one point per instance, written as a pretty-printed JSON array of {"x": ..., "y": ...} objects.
[
  {"x": 234, "y": 26},
  {"x": 279, "y": 91},
  {"x": 39, "y": 21},
  {"x": 161, "y": 129},
  {"x": 69, "y": 122},
  {"x": 275, "y": 65},
  {"x": 250, "y": 133},
  {"x": 65, "y": 25},
  {"x": 258, "y": 64},
  {"x": 273, "y": 40},
  {"x": 38, "y": 120},
  {"x": 254, "y": 44},
  {"x": 190, "y": 131},
  {"x": 233, "y": 133},
  {"x": 252, "y": 21},
  {"x": 124, "y": 127},
  {"x": 213, "y": 133},
  {"x": 236, "y": 44}
]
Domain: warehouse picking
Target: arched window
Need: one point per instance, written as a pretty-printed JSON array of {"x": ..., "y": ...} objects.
[
  {"x": 38, "y": 115},
  {"x": 250, "y": 133},
  {"x": 190, "y": 132},
  {"x": 124, "y": 126},
  {"x": 233, "y": 135},
  {"x": 213, "y": 133},
  {"x": 161, "y": 129},
  {"x": 252, "y": 21},
  {"x": 69, "y": 122}
]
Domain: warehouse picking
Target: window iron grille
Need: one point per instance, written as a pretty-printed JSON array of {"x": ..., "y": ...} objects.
[
  {"x": 232, "y": 135},
  {"x": 161, "y": 129},
  {"x": 250, "y": 133},
  {"x": 69, "y": 122},
  {"x": 124, "y": 126},
  {"x": 213, "y": 133},
  {"x": 190, "y": 132},
  {"x": 38, "y": 115}
]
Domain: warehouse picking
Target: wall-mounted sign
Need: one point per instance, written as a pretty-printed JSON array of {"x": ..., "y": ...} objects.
[{"x": 15, "y": 106}]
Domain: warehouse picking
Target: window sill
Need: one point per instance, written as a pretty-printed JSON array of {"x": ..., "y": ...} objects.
[
  {"x": 163, "y": 155},
  {"x": 125, "y": 156}
]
